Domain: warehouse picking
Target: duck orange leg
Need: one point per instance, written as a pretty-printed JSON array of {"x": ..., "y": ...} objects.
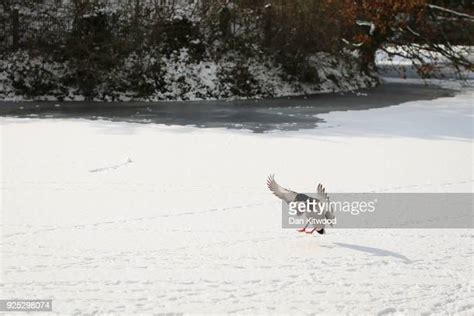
[{"x": 301, "y": 230}]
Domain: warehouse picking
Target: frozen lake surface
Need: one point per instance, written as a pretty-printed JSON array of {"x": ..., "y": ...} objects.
[
  {"x": 111, "y": 216},
  {"x": 293, "y": 113}
]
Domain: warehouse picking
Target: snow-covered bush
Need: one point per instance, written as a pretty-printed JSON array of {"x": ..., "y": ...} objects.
[
  {"x": 239, "y": 79},
  {"x": 33, "y": 76}
]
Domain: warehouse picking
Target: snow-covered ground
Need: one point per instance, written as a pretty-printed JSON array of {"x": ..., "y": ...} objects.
[{"x": 140, "y": 218}]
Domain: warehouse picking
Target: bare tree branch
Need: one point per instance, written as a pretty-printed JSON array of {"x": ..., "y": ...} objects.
[{"x": 459, "y": 14}]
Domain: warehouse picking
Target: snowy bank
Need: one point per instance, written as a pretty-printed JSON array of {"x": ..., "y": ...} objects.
[{"x": 152, "y": 77}]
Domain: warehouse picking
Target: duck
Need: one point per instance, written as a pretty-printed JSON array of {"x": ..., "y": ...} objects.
[{"x": 321, "y": 197}]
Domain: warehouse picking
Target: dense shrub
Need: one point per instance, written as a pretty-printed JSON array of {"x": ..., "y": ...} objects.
[
  {"x": 239, "y": 80},
  {"x": 34, "y": 76}
]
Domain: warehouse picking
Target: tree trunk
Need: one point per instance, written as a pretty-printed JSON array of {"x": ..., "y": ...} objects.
[
  {"x": 267, "y": 26},
  {"x": 224, "y": 23},
  {"x": 15, "y": 28}
]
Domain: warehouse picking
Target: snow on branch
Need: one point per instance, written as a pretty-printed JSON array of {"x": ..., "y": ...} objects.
[
  {"x": 413, "y": 31},
  {"x": 353, "y": 44},
  {"x": 367, "y": 23},
  {"x": 460, "y": 14}
]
